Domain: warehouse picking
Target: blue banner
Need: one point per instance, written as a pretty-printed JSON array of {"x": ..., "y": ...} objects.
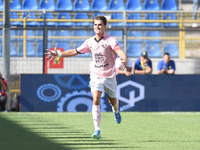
[{"x": 61, "y": 92}]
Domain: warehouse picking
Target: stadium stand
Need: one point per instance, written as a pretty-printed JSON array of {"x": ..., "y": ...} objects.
[
  {"x": 81, "y": 16},
  {"x": 64, "y": 45},
  {"x": 64, "y": 5},
  {"x": 134, "y": 49},
  {"x": 29, "y": 50},
  {"x": 151, "y": 5},
  {"x": 13, "y": 36},
  {"x": 29, "y": 33},
  {"x": 151, "y": 16},
  {"x": 63, "y": 16},
  {"x": 62, "y": 33},
  {"x": 99, "y": 5},
  {"x": 13, "y": 52},
  {"x": 1, "y": 23},
  {"x": 169, "y": 16},
  {"x": 39, "y": 33},
  {"x": 117, "y": 16},
  {"x": 15, "y": 5},
  {"x": 134, "y": 16},
  {"x": 152, "y": 34},
  {"x": 134, "y": 34},
  {"x": 79, "y": 33},
  {"x": 172, "y": 49},
  {"x": 29, "y": 15},
  {"x": 13, "y": 15},
  {"x": 49, "y": 15},
  {"x": 1, "y": 5},
  {"x": 169, "y": 5},
  {"x": 134, "y": 5},
  {"x": 81, "y": 5},
  {"x": 39, "y": 49},
  {"x": 30, "y": 5},
  {"x": 47, "y": 4},
  {"x": 153, "y": 50}
]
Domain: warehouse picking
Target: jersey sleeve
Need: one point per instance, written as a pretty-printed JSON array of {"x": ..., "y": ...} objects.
[
  {"x": 173, "y": 65},
  {"x": 84, "y": 48},
  {"x": 114, "y": 44},
  {"x": 150, "y": 63},
  {"x": 137, "y": 65}
]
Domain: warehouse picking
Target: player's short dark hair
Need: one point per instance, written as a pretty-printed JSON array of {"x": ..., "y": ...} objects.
[
  {"x": 100, "y": 17},
  {"x": 166, "y": 54}
]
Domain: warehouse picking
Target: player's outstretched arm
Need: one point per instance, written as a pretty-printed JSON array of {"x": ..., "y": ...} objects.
[{"x": 54, "y": 53}]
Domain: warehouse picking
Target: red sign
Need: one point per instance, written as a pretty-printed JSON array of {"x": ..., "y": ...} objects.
[{"x": 55, "y": 63}]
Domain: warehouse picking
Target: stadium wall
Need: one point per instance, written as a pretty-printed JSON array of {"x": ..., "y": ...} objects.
[{"x": 71, "y": 93}]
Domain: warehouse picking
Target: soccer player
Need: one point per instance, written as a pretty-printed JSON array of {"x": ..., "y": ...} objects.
[
  {"x": 104, "y": 49},
  {"x": 166, "y": 66}
]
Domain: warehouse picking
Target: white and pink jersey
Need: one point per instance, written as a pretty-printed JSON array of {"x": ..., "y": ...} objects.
[{"x": 103, "y": 55}]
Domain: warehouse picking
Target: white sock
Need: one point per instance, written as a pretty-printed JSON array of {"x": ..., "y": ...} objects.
[
  {"x": 115, "y": 107},
  {"x": 96, "y": 114}
]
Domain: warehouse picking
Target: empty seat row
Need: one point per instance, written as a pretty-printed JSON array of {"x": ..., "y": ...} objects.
[
  {"x": 133, "y": 49},
  {"x": 153, "y": 50},
  {"x": 96, "y": 5},
  {"x": 134, "y": 16}
]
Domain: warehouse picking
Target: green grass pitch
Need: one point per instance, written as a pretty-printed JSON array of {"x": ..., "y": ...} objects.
[{"x": 66, "y": 131}]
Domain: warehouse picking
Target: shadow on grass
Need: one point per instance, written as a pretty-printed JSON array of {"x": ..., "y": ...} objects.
[{"x": 13, "y": 136}]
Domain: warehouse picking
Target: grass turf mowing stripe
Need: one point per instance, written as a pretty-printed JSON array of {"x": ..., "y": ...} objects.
[{"x": 165, "y": 130}]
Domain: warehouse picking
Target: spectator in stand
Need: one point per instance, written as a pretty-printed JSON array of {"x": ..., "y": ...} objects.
[
  {"x": 166, "y": 66},
  {"x": 3, "y": 96},
  {"x": 143, "y": 65},
  {"x": 127, "y": 71},
  {"x": 195, "y": 8}
]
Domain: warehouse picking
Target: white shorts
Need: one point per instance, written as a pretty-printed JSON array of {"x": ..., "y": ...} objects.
[{"x": 107, "y": 85}]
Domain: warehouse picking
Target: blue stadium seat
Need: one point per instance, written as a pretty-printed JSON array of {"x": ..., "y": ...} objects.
[
  {"x": 47, "y": 4},
  {"x": 64, "y": 5},
  {"x": 96, "y": 14},
  {"x": 29, "y": 50},
  {"x": 117, "y": 16},
  {"x": 62, "y": 33},
  {"x": 30, "y": 4},
  {"x": 99, "y": 5},
  {"x": 64, "y": 15},
  {"x": 79, "y": 33},
  {"x": 15, "y": 5},
  {"x": 1, "y": 5},
  {"x": 13, "y": 15},
  {"x": 82, "y": 5},
  {"x": 172, "y": 49},
  {"x": 153, "y": 50},
  {"x": 134, "y": 34},
  {"x": 29, "y": 15},
  {"x": 151, "y": 16},
  {"x": 169, "y": 5},
  {"x": 39, "y": 49},
  {"x": 169, "y": 16},
  {"x": 151, "y": 5},
  {"x": 1, "y": 35},
  {"x": 81, "y": 16},
  {"x": 49, "y": 15},
  {"x": 117, "y": 34},
  {"x": 134, "y": 49},
  {"x": 134, "y": 16},
  {"x": 64, "y": 45},
  {"x": 13, "y": 36},
  {"x": 13, "y": 52},
  {"x": 153, "y": 34},
  {"x": 116, "y": 5},
  {"x": 29, "y": 33},
  {"x": 40, "y": 34},
  {"x": 134, "y": 5}
]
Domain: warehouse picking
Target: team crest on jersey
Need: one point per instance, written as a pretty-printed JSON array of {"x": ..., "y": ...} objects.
[{"x": 104, "y": 45}]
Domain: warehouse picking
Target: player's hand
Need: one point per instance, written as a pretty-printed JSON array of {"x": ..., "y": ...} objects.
[
  {"x": 123, "y": 64},
  {"x": 52, "y": 54}
]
